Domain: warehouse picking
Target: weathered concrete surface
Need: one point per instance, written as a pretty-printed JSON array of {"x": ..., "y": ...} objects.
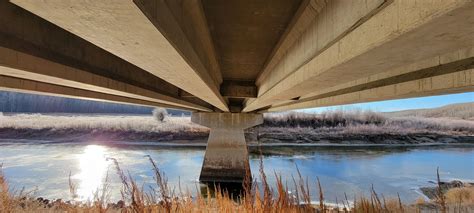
[
  {"x": 125, "y": 31},
  {"x": 444, "y": 74},
  {"x": 325, "y": 22},
  {"x": 34, "y": 45},
  {"x": 184, "y": 24},
  {"x": 17, "y": 64},
  {"x": 9, "y": 83},
  {"x": 246, "y": 31},
  {"x": 458, "y": 82},
  {"x": 226, "y": 158},
  {"x": 239, "y": 89},
  {"x": 401, "y": 33}
]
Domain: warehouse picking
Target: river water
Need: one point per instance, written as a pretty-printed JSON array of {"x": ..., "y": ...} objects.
[{"x": 44, "y": 168}]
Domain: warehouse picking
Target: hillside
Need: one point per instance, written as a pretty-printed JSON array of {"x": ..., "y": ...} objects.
[{"x": 460, "y": 111}]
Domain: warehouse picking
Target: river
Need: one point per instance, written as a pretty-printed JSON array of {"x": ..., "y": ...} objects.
[{"x": 43, "y": 169}]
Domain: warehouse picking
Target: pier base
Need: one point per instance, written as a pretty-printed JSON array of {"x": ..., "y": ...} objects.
[{"x": 226, "y": 159}]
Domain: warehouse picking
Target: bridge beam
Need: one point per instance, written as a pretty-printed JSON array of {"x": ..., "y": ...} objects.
[
  {"x": 226, "y": 158},
  {"x": 458, "y": 82},
  {"x": 394, "y": 34},
  {"x": 239, "y": 89},
  {"x": 125, "y": 31},
  {"x": 20, "y": 65},
  {"x": 444, "y": 74},
  {"x": 33, "y": 48},
  {"x": 13, "y": 84}
]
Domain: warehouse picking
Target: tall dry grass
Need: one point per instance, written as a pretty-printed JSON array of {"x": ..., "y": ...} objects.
[
  {"x": 461, "y": 111},
  {"x": 334, "y": 118},
  {"x": 138, "y": 123},
  {"x": 366, "y": 122}
]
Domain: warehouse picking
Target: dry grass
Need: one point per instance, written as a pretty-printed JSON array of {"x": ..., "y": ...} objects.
[
  {"x": 99, "y": 123},
  {"x": 435, "y": 124},
  {"x": 460, "y": 111},
  {"x": 326, "y": 119},
  {"x": 440, "y": 197},
  {"x": 461, "y": 199},
  {"x": 460, "y": 195},
  {"x": 366, "y": 122}
]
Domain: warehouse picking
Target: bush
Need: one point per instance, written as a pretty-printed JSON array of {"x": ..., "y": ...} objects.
[
  {"x": 336, "y": 118},
  {"x": 160, "y": 114}
]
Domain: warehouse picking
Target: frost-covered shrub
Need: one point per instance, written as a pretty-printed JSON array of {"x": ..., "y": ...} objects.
[{"x": 160, "y": 114}]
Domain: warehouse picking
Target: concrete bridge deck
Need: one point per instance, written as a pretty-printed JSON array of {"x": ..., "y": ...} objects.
[{"x": 237, "y": 56}]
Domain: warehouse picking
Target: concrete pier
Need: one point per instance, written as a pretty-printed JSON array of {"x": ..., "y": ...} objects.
[{"x": 226, "y": 158}]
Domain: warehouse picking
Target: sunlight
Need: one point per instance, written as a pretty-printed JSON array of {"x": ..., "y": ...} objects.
[{"x": 93, "y": 168}]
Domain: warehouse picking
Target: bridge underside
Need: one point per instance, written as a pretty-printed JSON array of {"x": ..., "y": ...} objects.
[{"x": 237, "y": 56}]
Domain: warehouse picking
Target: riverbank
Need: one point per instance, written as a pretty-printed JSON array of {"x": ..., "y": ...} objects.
[{"x": 331, "y": 129}]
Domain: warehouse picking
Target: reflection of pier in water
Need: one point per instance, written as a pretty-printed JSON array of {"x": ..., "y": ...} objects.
[{"x": 233, "y": 190}]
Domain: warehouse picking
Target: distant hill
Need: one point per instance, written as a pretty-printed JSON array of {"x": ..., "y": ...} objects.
[
  {"x": 15, "y": 102},
  {"x": 460, "y": 111}
]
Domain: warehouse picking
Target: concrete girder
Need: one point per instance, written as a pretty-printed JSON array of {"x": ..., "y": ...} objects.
[
  {"x": 330, "y": 21},
  {"x": 239, "y": 89},
  {"x": 460, "y": 60},
  {"x": 121, "y": 28},
  {"x": 457, "y": 82},
  {"x": 38, "y": 41},
  {"x": 9, "y": 83},
  {"x": 20, "y": 65},
  {"x": 234, "y": 89},
  {"x": 184, "y": 24},
  {"x": 24, "y": 32},
  {"x": 226, "y": 159},
  {"x": 401, "y": 33},
  {"x": 305, "y": 15},
  {"x": 246, "y": 31}
]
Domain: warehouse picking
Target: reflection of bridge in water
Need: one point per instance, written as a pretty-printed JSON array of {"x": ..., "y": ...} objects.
[{"x": 230, "y": 61}]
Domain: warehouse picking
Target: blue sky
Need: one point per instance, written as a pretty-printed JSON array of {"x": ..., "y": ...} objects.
[{"x": 404, "y": 104}]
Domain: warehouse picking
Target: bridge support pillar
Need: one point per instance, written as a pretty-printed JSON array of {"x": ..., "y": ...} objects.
[{"x": 226, "y": 159}]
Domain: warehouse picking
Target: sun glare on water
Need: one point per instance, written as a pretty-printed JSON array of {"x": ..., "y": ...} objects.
[{"x": 93, "y": 166}]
